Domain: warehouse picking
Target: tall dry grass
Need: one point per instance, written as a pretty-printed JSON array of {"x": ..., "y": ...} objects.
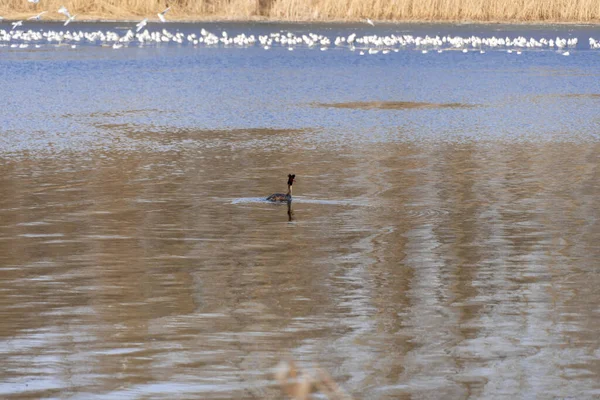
[
  {"x": 124, "y": 9},
  {"x": 311, "y": 10}
]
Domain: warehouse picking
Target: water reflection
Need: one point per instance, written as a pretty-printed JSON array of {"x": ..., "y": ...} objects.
[
  {"x": 290, "y": 213},
  {"x": 458, "y": 269}
]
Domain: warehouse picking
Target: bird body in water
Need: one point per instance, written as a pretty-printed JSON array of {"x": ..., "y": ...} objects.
[{"x": 280, "y": 197}]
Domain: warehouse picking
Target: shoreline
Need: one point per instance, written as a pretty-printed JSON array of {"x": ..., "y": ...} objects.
[{"x": 177, "y": 19}]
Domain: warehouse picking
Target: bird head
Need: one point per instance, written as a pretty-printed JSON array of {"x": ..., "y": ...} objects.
[{"x": 291, "y": 179}]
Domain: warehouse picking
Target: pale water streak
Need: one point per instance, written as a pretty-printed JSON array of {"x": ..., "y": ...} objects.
[{"x": 428, "y": 253}]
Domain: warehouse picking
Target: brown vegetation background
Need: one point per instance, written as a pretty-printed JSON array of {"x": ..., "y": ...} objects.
[{"x": 318, "y": 10}]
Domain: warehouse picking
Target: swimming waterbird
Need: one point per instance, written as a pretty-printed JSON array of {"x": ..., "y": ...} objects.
[{"x": 280, "y": 197}]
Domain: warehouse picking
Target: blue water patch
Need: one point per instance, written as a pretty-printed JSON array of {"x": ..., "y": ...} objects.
[{"x": 66, "y": 98}]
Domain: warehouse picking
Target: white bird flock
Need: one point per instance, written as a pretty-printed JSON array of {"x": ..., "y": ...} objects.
[{"x": 365, "y": 44}]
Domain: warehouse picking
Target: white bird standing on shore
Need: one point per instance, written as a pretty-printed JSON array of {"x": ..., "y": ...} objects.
[
  {"x": 37, "y": 17},
  {"x": 161, "y": 15},
  {"x": 368, "y": 21},
  {"x": 141, "y": 24},
  {"x": 63, "y": 10}
]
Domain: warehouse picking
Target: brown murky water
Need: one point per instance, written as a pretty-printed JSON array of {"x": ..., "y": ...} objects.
[{"x": 409, "y": 270}]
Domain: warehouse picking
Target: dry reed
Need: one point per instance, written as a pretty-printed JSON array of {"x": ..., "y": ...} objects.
[{"x": 319, "y": 10}]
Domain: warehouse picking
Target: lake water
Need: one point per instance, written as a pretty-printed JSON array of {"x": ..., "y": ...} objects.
[{"x": 443, "y": 241}]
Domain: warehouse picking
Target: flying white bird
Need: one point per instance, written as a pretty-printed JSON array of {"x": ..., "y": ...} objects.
[
  {"x": 63, "y": 10},
  {"x": 368, "y": 21},
  {"x": 37, "y": 17},
  {"x": 140, "y": 25},
  {"x": 15, "y": 24},
  {"x": 161, "y": 15},
  {"x": 71, "y": 18}
]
